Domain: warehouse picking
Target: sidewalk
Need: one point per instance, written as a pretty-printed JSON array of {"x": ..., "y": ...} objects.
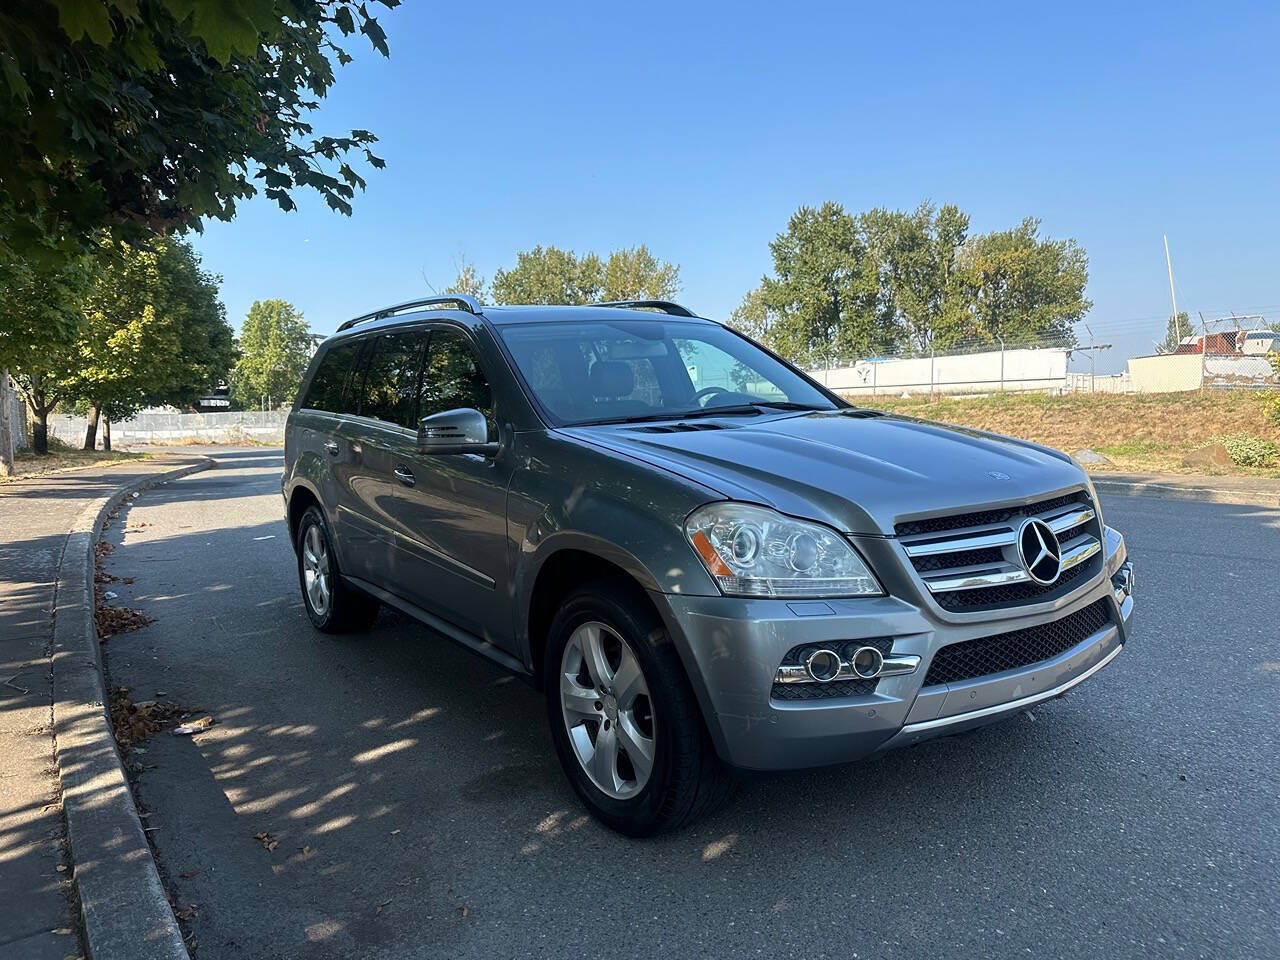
[
  {"x": 1261, "y": 491},
  {"x": 39, "y": 915}
]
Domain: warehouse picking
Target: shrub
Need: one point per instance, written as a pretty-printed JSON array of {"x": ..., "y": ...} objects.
[
  {"x": 1250, "y": 451},
  {"x": 1272, "y": 400}
]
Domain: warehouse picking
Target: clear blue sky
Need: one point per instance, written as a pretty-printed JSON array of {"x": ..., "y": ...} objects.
[{"x": 699, "y": 128}]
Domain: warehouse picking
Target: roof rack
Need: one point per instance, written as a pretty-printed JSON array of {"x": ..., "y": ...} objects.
[
  {"x": 461, "y": 300},
  {"x": 666, "y": 306}
]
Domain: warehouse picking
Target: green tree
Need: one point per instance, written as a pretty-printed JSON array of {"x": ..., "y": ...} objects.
[
  {"x": 468, "y": 281},
  {"x": 1024, "y": 288},
  {"x": 751, "y": 316},
  {"x": 550, "y": 275},
  {"x": 275, "y": 348},
  {"x": 636, "y": 274},
  {"x": 915, "y": 255},
  {"x": 825, "y": 292},
  {"x": 1179, "y": 326},
  {"x": 40, "y": 321},
  {"x": 154, "y": 333},
  {"x": 146, "y": 115}
]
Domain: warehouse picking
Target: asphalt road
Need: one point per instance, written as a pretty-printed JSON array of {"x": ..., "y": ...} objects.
[{"x": 419, "y": 810}]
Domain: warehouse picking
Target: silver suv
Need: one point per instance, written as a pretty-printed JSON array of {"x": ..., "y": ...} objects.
[{"x": 707, "y": 561}]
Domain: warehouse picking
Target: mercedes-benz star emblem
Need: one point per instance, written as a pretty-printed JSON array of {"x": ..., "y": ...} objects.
[{"x": 1039, "y": 551}]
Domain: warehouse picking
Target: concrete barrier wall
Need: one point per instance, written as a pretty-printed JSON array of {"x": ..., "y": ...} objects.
[
  {"x": 168, "y": 428},
  {"x": 1167, "y": 373},
  {"x": 965, "y": 373}
]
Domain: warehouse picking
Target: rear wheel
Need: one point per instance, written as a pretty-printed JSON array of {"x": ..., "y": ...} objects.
[
  {"x": 623, "y": 717},
  {"x": 332, "y": 605}
]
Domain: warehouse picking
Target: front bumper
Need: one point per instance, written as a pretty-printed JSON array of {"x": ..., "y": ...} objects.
[{"x": 732, "y": 648}]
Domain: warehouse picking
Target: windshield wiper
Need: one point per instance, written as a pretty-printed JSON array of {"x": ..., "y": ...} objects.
[{"x": 755, "y": 408}]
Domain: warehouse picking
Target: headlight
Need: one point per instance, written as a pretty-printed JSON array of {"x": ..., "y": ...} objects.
[{"x": 757, "y": 552}]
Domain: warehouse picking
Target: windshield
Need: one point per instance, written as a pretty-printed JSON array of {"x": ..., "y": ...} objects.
[{"x": 630, "y": 370}]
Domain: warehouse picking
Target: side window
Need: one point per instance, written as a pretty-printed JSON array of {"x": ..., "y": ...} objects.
[
  {"x": 390, "y": 389},
  {"x": 325, "y": 391},
  {"x": 452, "y": 378}
]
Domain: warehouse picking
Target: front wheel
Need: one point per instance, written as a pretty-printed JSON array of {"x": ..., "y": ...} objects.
[{"x": 623, "y": 717}]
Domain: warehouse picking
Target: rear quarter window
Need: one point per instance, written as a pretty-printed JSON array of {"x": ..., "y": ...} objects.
[{"x": 327, "y": 387}]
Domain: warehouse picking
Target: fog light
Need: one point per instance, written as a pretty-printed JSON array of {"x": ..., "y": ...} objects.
[
  {"x": 867, "y": 662},
  {"x": 822, "y": 665}
]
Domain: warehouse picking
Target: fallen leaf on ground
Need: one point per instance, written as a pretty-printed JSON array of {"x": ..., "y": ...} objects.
[
  {"x": 306, "y": 853},
  {"x": 266, "y": 840},
  {"x": 186, "y": 913},
  {"x": 61, "y": 868},
  {"x": 136, "y": 722},
  {"x": 463, "y": 911},
  {"x": 188, "y": 874}
]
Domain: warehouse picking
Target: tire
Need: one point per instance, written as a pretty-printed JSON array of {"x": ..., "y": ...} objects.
[
  {"x": 332, "y": 605},
  {"x": 682, "y": 778}
]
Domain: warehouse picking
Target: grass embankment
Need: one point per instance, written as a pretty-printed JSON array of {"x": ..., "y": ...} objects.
[
  {"x": 61, "y": 459},
  {"x": 1147, "y": 433}
]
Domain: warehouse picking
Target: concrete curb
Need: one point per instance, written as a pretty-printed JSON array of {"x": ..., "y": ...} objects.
[
  {"x": 122, "y": 900},
  {"x": 1165, "y": 490}
]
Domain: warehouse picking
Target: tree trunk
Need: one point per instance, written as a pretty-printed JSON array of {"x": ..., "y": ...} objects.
[
  {"x": 40, "y": 431},
  {"x": 91, "y": 428},
  {"x": 106, "y": 431},
  {"x": 6, "y": 425}
]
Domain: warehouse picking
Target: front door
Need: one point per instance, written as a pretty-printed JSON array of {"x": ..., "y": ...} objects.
[{"x": 451, "y": 515}]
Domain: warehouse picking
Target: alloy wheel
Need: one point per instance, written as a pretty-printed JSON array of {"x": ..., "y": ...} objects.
[
  {"x": 315, "y": 570},
  {"x": 607, "y": 710}
]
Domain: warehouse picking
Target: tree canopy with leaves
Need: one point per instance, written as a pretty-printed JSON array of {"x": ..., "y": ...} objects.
[
  {"x": 1179, "y": 326},
  {"x": 155, "y": 333},
  {"x": 552, "y": 275},
  {"x": 884, "y": 281},
  {"x": 275, "y": 348},
  {"x": 142, "y": 116}
]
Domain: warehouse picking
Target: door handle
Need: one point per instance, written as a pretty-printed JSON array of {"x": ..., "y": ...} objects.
[
  {"x": 332, "y": 447},
  {"x": 405, "y": 476}
]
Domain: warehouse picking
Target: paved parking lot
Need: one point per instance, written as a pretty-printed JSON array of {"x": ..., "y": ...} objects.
[{"x": 419, "y": 811}]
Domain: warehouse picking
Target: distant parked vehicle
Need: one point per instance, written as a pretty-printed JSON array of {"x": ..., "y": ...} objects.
[{"x": 705, "y": 559}]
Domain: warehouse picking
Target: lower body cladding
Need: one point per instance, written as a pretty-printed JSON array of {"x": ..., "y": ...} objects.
[{"x": 786, "y": 685}]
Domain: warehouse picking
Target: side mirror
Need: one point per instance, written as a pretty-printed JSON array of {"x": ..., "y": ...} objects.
[{"x": 463, "y": 430}]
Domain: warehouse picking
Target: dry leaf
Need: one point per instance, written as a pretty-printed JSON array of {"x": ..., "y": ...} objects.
[
  {"x": 463, "y": 911},
  {"x": 187, "y": 875},
  {"x": 266, "y": 840}
]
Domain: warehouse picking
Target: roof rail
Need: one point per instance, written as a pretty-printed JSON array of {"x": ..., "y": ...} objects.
[
  {"x": 666, "y": 306},
  {"x": 461, "y": 300}
]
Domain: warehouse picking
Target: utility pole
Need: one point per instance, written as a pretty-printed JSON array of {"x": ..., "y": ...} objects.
[
  {"x": 1094, "y": 349},
  {"x": 1177, "y": 324}
]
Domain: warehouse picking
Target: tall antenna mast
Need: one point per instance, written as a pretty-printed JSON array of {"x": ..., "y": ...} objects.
[{"x": 1177, "y": 324}]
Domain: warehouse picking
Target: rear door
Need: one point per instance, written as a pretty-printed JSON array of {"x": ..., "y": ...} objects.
[
  {"x": 376, "y": 437},
  {"x": 316, "y": 430}
]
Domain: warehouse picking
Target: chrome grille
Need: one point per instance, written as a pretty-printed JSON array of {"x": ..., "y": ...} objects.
[{"x": 970, "y": 562}]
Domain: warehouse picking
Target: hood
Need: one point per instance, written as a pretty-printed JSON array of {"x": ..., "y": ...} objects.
[{"x": 857, "y": 473}]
